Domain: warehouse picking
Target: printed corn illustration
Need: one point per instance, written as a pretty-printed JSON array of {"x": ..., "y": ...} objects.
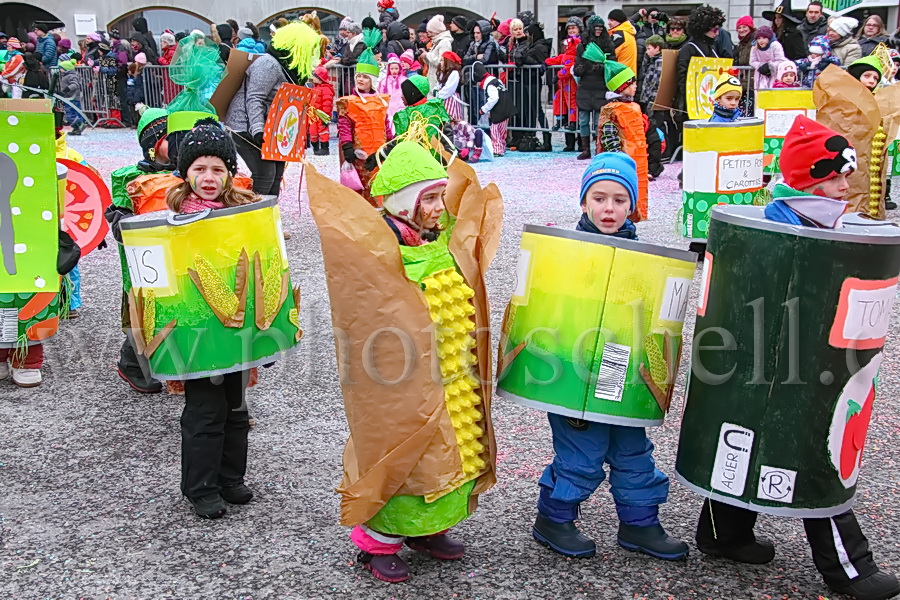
[
  {"x": 271, "y": 289},
  {"x": 450, "y": 308},
  {"x": 227, "y": 304}
]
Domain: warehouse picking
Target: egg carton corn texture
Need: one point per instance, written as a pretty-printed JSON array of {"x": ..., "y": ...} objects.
[{"x": 450, "y": 306}]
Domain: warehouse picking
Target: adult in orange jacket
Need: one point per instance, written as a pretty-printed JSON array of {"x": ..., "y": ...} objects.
[{"x": 622, "y": 32}]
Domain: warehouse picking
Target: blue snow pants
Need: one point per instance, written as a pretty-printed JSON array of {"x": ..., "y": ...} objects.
[{"x": 582, "y": 448}]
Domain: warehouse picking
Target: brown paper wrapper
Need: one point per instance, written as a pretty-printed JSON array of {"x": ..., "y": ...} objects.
[
  {"x": 401, "y": 439},
  {"x": 668, "y": 81},
  {"x": 848, "y": 107}
]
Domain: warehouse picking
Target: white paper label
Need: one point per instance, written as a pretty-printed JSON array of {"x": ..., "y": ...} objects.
[
  {"x": 147, "y": 266},
  {"x": 776, "y": 484},
  {"x": 675, "y": 299},
  {"x": 9, "y": 325},
  {"x": 778, "y": 122},
  {"x": 732, "y": 462},
  {"x": 739, "y": 172},
  {"x": 869, "y": 313},
  {"x": 521, "y": 284}
]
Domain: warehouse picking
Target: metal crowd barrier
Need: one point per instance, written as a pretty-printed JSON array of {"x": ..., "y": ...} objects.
[
  {"x": 95, "y": 97},
  {"x": 159, "y": 89},
  {"x": 532, "y": 87}
]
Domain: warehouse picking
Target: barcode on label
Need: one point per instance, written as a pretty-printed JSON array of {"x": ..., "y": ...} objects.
[
  {"x": 613, "y": 369},
  {"x": 9, "y": 325}
]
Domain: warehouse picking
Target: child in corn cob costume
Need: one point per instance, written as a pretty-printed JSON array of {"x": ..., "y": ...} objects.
[
  {"x": 421, "y": 445},
  {"x": 817, "y": 164},
  {"x": 609, "y": 192},
  {"x": 868, "y": 117}
]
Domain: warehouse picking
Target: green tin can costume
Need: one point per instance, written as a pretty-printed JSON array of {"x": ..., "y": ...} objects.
[
  {"x": 599, "y": 340},
  {"x": 723, "y": 164},
  {"x": 786, "y": 361},
  {"x": 215, "y": 279}
]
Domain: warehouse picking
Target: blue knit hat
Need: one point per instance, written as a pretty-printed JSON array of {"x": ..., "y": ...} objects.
[{"x": 612, "y": 166}]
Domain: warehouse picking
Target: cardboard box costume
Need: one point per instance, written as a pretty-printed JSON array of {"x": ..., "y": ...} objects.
[
  {"x": 415, "y": 341},
  {"x": 783, "y": 430},
  {"x": 32, "y": 188},
  {"x": 217, "y": 280},
  {"x": 723, "y": 164},
  {"x": 600, "y": 341}
]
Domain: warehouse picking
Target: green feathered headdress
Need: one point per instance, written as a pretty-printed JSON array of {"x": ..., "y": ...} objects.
[
  {"x": 301, "y": 42},
  {"x": 615, "y": 73},
  {"x": 196, "y": 65},
  {"x": 366, "y": 62}
]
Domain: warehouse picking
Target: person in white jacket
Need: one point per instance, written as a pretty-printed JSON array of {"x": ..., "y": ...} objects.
[{"x": 441, "y": 41}]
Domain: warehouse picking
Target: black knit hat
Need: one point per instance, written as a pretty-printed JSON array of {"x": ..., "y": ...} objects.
[
  {"x": 369, "y": 23},
  {"x": 411, "y": 92},
  {"x": 207, "y": 138},
  {"x": 460, "y": 21},
  {"x": 617, "y": 14}
]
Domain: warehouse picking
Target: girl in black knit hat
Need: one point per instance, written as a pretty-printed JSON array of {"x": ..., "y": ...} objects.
[{"x": 215, "y": 421}]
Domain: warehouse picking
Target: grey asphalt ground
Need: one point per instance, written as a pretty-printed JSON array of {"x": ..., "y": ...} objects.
[{"x": 89, "y": 470}]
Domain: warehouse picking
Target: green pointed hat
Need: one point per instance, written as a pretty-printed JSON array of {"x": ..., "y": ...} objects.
[
  {"x": 615, "y": 73},
  {"x": 407, "y": 163},
  {"x": 366, "y": 62}
]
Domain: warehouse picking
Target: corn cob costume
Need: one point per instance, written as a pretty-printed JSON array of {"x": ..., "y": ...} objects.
[
  {"x": 421, "y": 445},
  {"x": 868, "y": 121}
]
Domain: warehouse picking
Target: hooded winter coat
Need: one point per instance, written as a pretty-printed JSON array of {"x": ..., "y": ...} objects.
[
  {"x": 846, "y": 50},
  {"x": 442, "y": 42},
  {"x": 591, "y": 94},
  {"x": 625, "y": 45},
  {"x": 397, "y": 39},
  {"x": 487, "y": 52},
  {"x": 791, "y": 40},
  {"x": 143, "y": 35},
  {"x": 772, "y": 56}
]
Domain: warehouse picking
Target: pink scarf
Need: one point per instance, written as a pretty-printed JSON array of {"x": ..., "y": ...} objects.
[{"x": 194, "y": 204}]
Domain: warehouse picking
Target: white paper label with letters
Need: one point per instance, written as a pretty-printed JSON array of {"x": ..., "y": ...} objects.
[
  {"x": 869, "y": 313},
  {"x": 732, "y": 462},
  {"x": 147, "y": 266},
  {"x": 739, "y": 172},
  {"x": 675, "y": 299},
  {"x": 778, "y": 122},
  {"x": 776, "y": 484}
]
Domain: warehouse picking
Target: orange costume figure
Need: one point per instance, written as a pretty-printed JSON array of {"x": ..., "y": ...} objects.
[
  {"x": 623, "y": 127},
  {"x": 362, "y": 126},
  {"x": 323, "y": 100}
]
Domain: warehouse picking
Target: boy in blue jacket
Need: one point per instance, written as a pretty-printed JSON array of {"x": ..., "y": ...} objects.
[
  {"x": 726, "y": 98},
  {"x": 609, "y": 191}
]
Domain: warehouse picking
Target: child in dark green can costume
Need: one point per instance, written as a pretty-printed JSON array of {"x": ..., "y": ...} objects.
[{"x": 421, "y": 445}]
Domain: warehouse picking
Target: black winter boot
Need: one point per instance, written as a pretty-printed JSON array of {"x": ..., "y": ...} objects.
[
  {"x": 570, "y": 143},
  {"x": 585, "y": 148},
  {"x": 563, "y": 538},
  {"x": 548, "y": 143},
  {"x": 653, "y": 541},
  {"x": 323, "y": 149},
  {"x": 877, "y": 586},
  {"x": 130, "y": 370}
]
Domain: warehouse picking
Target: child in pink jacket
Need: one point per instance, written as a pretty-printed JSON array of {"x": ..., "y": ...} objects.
[{"x": 765, "y": 57}]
